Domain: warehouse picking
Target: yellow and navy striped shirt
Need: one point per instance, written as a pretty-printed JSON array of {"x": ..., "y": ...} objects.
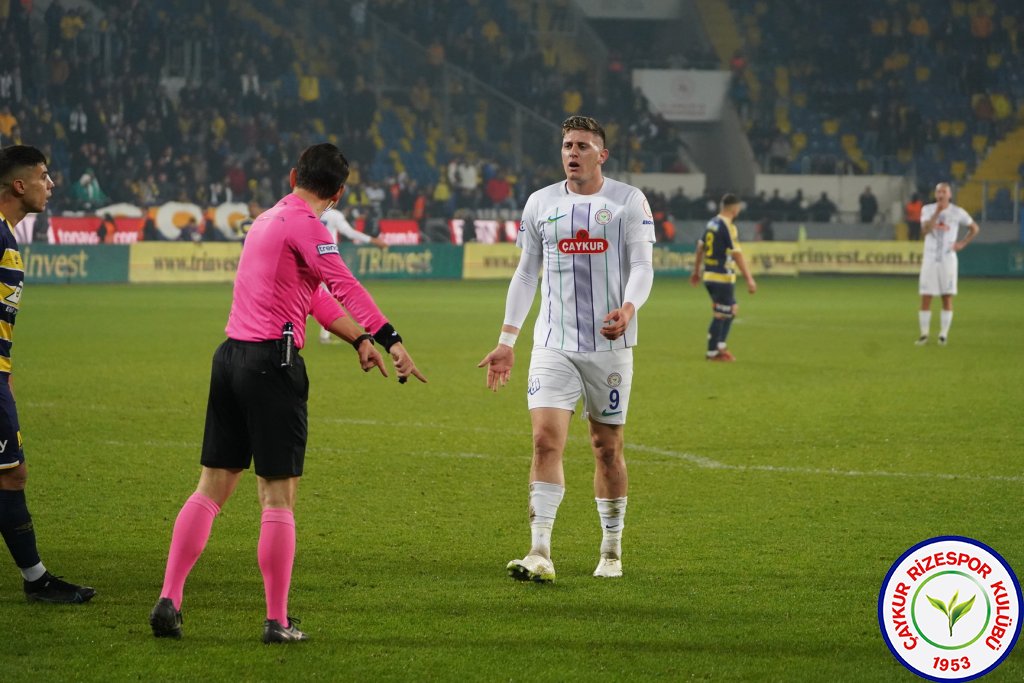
[
  {"x": 12, "y": 279},
  {"x": 719, "y": 241}
]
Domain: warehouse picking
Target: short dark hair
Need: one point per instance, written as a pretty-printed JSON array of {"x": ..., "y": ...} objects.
[
  {"x": 729, "y": 199},
  {"x": 583, "y": 123},
  {"x": 17, "y": 157},
  {"x": 322, "y": 170}
]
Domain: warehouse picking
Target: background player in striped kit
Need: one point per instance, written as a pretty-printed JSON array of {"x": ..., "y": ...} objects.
[
  {"x": 25, "y": 185},
  {"x": 593, "y": 237},
  {"x": 717, "y": 249}
]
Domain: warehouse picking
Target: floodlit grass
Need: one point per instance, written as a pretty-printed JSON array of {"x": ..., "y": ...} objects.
[{"x": 768, "y": 497}]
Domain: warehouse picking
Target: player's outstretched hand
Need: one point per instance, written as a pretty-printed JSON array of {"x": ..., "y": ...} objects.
[
  {"x": 695, "y": 278},
  {"x": 404, "y": 364},
  {"x": 499, "y": 364},
  {"x": 751, "y": 286},
  {"x": 616, "y": 322},
  {"x": 370, "y": 358}
]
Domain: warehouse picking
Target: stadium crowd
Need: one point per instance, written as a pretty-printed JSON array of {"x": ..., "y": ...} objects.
[
  {"x": 103, "y": 98},
  {"x": 124, "y": 117},
  {"x": 928, "y": 92}
]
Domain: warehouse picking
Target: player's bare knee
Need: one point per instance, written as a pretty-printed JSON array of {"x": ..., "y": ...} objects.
[
  {"x": 546, "y": 448},
  {"x": 14, "y": 479},
  {"x": 607, "y": 449}
]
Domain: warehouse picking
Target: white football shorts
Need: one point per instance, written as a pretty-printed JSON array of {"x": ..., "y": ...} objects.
[
  {"x": 939, "y": 277},
  {"x": 603, "y": 378}
]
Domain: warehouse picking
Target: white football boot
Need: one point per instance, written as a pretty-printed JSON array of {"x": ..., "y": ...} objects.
[
  {"x": 532, "y": 568},
  {"x": 610, "y": 567}
]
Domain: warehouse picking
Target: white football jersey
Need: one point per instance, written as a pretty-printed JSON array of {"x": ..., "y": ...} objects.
[
  {"x": 338, "y": 225},
  {"x": 583, "y": 241},
  {"x": 938, "y": 243}
]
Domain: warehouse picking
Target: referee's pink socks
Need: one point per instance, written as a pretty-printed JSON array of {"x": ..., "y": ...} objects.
[
  {"x": 276, "y": 553},
  {"x": 191, "y": 531}
]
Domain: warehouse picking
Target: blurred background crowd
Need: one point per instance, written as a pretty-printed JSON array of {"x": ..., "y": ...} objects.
[{"x": 454, "y": 105}]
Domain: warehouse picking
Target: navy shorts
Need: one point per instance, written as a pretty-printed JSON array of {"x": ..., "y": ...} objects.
[
  {"x": 256, "y": 412},
  {"x": 11, "y": 454},
  {"x": 723, "y": 296}
]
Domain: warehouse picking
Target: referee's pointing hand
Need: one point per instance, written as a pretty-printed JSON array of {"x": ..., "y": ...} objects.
[{"x": 404, "y": 364}]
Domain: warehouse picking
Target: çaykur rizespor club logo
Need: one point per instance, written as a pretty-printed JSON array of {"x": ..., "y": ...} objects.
[{"x": 949, "y": 609}]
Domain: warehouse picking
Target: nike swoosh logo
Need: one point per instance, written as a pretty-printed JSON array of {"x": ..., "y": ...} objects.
[
  {"x": 552, "y": 220},
  {"x": 605, "y": 413}
]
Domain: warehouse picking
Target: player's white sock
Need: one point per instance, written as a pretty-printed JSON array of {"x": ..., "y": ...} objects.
[
  {"x": 33, "y": 573},
  {"x": 544, "y": 501},
  {"x": 325, "y": 336},
  {"x": 924, "y": 319},
  {"x": 945, "y": 320},
  {"x": 613, "y": 519}
]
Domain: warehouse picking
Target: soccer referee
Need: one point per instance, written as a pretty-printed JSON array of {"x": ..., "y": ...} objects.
[{"x": 256, "y": 412}]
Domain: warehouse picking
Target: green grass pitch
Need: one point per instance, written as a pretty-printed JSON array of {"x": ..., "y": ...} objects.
[{"x": 768, "y": 498}]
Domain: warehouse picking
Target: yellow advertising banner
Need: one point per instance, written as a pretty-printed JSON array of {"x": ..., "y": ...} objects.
[
  {"x": 834, "y": 256},
  {"x": 183, "y": 261},
  {"x": 489, "y": 261}
]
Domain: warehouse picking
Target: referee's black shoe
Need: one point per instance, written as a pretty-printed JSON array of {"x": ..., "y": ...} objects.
[
  {"x": 165, "y": 620},
  {"x": 50, "y": 588},
  {"x": 274, "y": 632}
]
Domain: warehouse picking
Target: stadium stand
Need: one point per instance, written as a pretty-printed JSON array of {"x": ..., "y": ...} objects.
[
  {"x": 150, "y": 102},
  {"x": 929, "y": 92}
]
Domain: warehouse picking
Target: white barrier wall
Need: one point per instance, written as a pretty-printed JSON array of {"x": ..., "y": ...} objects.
[{"x": 844, "y": 190}]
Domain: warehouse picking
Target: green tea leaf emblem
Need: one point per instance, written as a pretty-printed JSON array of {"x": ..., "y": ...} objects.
[{"x": 953, "y": 612}]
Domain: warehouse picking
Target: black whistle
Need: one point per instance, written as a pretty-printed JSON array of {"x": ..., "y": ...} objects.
[{"x": 287, "y": 345}]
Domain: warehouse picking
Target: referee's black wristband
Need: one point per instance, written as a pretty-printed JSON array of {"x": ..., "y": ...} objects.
[
  {"x": 360, "y": 339},
  {"x": 386, "y": 336}
]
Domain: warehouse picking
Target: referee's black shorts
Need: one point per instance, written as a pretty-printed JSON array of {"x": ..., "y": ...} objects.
[{"x": 256, "y": 411}]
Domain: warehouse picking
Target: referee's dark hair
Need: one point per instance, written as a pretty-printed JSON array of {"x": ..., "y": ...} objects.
[
  {"x": 322, "y": 170},
  {"x": 17, "y": 157},
  {"x": 729, "y": 199}
]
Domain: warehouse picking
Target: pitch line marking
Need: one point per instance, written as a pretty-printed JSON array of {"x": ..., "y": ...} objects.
[
  {"x": 707, "y": 463},
  {"x": 698, "y": 461}
]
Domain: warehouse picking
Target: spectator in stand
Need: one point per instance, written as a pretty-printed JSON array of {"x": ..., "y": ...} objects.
[
  {"x": 796, "y": 208},
  {"x": 779, "y": 153},
  {"x": 190, "y": 232},
  {"x": 8, "y": 122},
  {"x": 868, "y": 206},
  {"x": 775, "y": 207},
  {"x": 469, "y": 184},
  {"x": 679, "y": 205},
  {"x": 912, "y": 214},
  {"x": 499, "y": 192},
  {"x": 443, "y": 200},
  {"x": 107, "y": 229},
  {"x": 823, "y": 210},
  {"x": 86, "y": 194}
]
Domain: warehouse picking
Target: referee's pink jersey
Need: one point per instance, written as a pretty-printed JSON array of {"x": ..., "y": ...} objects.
[{"x": 288, "y": 252}]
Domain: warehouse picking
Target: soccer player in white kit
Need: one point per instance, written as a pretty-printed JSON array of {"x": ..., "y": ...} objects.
[
  {"x": 593, "y": 237},
  {"x": 941, "y": 223},
  {"x": 337, "y": 224}
]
